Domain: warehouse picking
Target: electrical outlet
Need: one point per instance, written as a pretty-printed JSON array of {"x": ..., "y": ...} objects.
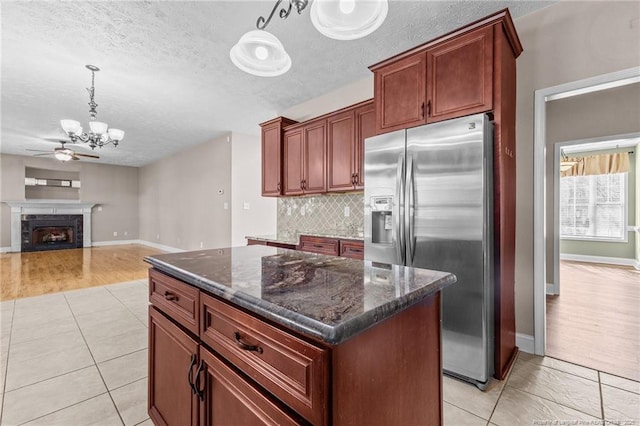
[
  {"x": 245, "y": 205},
  {"x": 99, "y": 208},
  {"x": 115, "y": 233},
  {"x": 302, "y": 211},
  {"x": 126, "y": 233},
  {"x": 288, "y": 211},
  {"x": 226, "y": 206},
  {"x": 347, "y": 211},
  {"x": 157, "y": 236},
  {"x": 201, "y": 244}
]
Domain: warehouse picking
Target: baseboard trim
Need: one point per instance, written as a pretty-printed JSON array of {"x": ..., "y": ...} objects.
[
  {"x": 5, "y": 249},
  {"x": 550, "y": 288},
  {"x": 525, "y": 343},
  {"x": 636, "y": 265},
  {"x": 160, "y": 246},
  {"x": 598, "y": 259},
  {"x": 113, "y": 243}
]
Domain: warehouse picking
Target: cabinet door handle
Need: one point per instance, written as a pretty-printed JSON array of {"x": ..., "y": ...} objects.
[
  {"x": 170, "y": 296},
  {"x": 355, "y": 179},
  {"x": 422, "y": 109},
  {"x": 244, "y": 346},
  {"x": 428, "y": 107},
  {"x": 278, "y": 187},
  {"x": 199, "y": 391},
  {"x": 190, "y": 372}
]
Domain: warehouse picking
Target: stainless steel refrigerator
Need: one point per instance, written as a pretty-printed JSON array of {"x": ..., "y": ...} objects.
[{"x": 428, "y": 204}]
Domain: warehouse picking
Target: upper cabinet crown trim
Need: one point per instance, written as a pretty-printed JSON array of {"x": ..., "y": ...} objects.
[{"x": 502, "y": 16}]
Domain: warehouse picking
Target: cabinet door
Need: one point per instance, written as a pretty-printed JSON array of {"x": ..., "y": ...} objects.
[
  {"x": 271, "y": 160},
  {"x": 315, "y": 157},
  {"x": 293, "y": 162},
  {"x": 341, "y": 154},
  {"x": 172, "y": 363},
  {"x": 400, "y": 94},
  {"x": 231, "y": 400},
  {"x": 460, "y": 76},
  {"x": 365, "y": 128}
]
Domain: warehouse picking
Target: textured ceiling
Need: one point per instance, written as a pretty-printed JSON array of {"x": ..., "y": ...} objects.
[{"x": 166, "y": 77}]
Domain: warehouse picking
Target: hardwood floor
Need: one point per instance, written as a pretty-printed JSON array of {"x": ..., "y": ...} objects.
[
  {"x": 42, "y": 272},
  {"x": 595, "y": 321}
]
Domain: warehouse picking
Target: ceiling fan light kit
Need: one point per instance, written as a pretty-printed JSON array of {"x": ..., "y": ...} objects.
[
  {"x": 99, "y": 134},
  {"x": 260, "y": 53}
]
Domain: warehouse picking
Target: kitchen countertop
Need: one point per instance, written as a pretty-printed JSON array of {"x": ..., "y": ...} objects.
[
  {"x": 294, "y": 237},
  {"x": 326, "y": 297}
]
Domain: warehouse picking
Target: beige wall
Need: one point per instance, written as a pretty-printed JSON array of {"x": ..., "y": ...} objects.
[
  {"x": 179, "y": 203},
  {"x": 246, "y": 180},
  {"x": 565, "y": 42},
  {"x": 114, "y": 188}
]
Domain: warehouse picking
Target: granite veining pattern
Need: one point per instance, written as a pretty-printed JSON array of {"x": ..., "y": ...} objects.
[{"x": 327, "y": 297}]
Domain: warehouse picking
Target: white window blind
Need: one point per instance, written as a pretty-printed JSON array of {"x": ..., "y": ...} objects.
[{"x": 593, "y": 207}]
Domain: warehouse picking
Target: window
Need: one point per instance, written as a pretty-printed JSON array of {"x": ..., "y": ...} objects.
[{"x": 593, "y": 207}]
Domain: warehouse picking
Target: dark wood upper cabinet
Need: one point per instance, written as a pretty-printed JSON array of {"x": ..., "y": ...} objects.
[
  {"x": 400, "y": 94},
  {"x": 365, "y": 128},
  {"x": 293, "y": 161},
  {"x": 341, "y": 155},
  {"x": 315, "y": 157},
  {"x": 272, "y": 133},
  {"x": 460, "y": 76}
]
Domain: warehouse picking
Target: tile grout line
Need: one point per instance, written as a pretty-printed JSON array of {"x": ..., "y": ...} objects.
[
  {"x": 563, "y": 371},
  {"x": 64, "y": 408},
  {"x": 6, "y": 369},
  {"x": 601, "y": 398},
  {"x": 92, "y": 357},
  {"x": 125, "y": 306},
  {"x": 550, "y": 400}
]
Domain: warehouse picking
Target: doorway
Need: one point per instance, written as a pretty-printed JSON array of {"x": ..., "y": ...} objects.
[
  {"x": 599, "y": 83},
  {"x": 592, "y": 303}
]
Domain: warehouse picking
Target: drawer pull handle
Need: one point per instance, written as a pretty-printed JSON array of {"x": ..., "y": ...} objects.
[
  {"x": 170, "y": 296},
  {"x": 318, "y": 246},
  {"x": 190, "y": 372},
  {"x": 244, "y": 346}
]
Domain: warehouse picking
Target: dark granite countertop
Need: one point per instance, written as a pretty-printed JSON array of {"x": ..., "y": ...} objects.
[
  {"x": 294, "y": 237},
  {"x": 327, "y": 297}
]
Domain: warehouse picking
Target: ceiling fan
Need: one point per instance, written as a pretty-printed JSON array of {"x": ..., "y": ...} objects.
[{"x": 62, "y": 153}]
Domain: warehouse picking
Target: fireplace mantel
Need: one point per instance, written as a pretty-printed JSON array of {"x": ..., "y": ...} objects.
[{"x": 18, "y": 208}]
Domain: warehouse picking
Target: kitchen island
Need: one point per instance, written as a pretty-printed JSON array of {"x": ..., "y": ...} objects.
[{"x": 263, "y": 335}]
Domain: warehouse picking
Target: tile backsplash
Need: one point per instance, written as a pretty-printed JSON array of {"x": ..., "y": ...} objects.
[{"x": 322, "y": 214}]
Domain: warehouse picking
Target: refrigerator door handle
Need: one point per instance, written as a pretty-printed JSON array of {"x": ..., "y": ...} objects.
[
  {"x": 410, "y": 212},
  {"x": 398, "y": 229}
]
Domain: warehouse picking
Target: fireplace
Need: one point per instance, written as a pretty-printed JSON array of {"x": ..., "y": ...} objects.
[{"x": 51, "y": 232}]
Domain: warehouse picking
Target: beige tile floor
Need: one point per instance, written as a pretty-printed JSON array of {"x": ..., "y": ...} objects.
[{"x": 79, "y": 358}]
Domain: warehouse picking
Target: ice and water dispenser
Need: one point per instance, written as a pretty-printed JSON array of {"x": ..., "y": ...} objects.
[{"x": 381, "y": 220}]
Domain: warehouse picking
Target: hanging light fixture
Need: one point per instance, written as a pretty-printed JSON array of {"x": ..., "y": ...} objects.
[
  {"x": 261, "y": 53},
  {"x": 99, "y": 134},
  {"x": 348, "y": 19}
]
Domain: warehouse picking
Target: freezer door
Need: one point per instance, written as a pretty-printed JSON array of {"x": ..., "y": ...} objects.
[
  {"x": 384, "y": 161},
  {"x": 448, "y": 226}
]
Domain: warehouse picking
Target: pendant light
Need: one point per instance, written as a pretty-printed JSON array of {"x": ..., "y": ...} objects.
[
  {"x": 260, "y": 53},
  {"x": 348, "y": 19}
]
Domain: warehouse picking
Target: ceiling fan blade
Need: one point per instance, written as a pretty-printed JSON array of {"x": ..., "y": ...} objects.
[
  {"x": 59, "y": 140},
  {"x": 86, "y": 155},
  {"x": 41, "y": 155},
  {"x": 37, "y": 150},
  {"x": 75, "y": 157}
]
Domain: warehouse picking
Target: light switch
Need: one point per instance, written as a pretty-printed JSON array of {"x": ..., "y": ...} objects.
[
  {"x": 288, "y": 211},
  {"x": 226, "y": 206},
  {"x": 245, "y": 205},
  {"x": 347, "y": 211},
  {"x": 302, "y": 211}
]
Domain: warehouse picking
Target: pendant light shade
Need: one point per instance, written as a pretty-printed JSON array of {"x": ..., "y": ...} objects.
[
  {"x": 260, "y": 53},
  {"x": 348, "y": 19}
]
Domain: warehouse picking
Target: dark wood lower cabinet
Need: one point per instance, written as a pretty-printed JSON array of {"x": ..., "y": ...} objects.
[
  {"x": 242, "y": 370},
  {"x": 228, "y": 399},
  {"x": 173, "y": 358}
]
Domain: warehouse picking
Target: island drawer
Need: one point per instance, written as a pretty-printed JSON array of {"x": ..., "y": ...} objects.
[
  {"x": 292, "y": 369},
  {"x": 177, "y": 299},
  {"x": 319, "y": 245},
  {"x": 352, "y": 249}
]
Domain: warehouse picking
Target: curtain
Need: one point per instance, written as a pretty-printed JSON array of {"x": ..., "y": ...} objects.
[{"x": 597, "y": 165}]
